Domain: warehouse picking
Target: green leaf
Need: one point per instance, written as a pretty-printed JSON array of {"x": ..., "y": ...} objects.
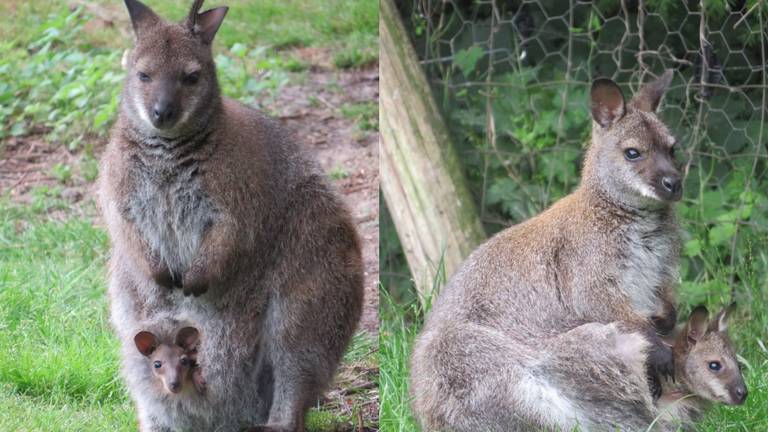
[
  {"x": 692, "y": 247},
  {"x": 721, "y": 233},
  {"x": 467, "y": 59}
]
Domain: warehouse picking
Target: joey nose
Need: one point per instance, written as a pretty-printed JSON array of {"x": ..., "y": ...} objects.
[
  {"x": 174, "y": 387},
  {"x": 162, "y": 114},
  {"x": 740, "y": 394}
]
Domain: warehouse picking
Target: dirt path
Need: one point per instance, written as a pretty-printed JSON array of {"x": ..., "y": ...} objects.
[{"x": 350, "y": 154}]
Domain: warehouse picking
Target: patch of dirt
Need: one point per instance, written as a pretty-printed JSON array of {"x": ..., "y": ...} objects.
[{"x": 345, "y": 151}]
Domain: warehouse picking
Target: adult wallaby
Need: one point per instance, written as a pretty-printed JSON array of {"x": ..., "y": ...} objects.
[
  {"x": 204, "y": 196},
  {"x": 173, "y": 362},
  {"x": 606, "y": 255}
]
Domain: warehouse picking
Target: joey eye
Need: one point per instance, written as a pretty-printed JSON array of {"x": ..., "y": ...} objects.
[
  {"x": 715, "y": 366},
  {"x": 144, "y": 77},
  {"x": 191, "y": 79},
  {"x": 158, "y": 364},
  {"x": 631, "y": 154}
]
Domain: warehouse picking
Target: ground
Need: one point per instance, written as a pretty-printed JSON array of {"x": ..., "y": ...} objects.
[{"x": 58, "y": 363}]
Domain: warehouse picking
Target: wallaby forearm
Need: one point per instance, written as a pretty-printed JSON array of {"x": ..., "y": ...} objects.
[{"x": 213, "y": 260}]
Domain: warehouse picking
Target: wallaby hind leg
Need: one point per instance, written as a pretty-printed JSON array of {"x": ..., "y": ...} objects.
[
  {"x": 601, "y": 368},
  {"x": 467, "y": 378}
]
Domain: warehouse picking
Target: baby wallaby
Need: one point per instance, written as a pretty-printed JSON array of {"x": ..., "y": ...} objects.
[
  {"x": 173, "y": 363},
  {"x": 604, "y": 255},
  {"x": 706, "y": 368}
]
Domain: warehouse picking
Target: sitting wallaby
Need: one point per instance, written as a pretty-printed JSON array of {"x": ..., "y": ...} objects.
[
  {"x": 217, "y": 218},
  {"x": 174, "y": 363},
  {"x": 706, "y": 369},
  {"x": 605, "y": 256}
]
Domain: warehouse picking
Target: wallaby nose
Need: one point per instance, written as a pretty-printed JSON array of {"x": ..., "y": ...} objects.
[
  {"x": 740, "y": 394},
  {"x": 174, "y": 386},
  {"x": 673, "y": 186},
  {"x": 162, "y": 114}
]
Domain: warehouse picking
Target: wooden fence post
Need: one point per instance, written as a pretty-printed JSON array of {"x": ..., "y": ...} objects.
[{"x": 421, "y": 177}]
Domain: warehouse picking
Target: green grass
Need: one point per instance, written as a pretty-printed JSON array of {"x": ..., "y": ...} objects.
[
  {"x": 401, "y": 322},
  {"x": 58, "y": 357},
  {"x": 60, "y": 73}
]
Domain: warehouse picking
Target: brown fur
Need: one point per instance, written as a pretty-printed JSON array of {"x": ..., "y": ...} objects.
[
  {"x": 215, "y": 200},
  {"x": 509, "y": 343}
]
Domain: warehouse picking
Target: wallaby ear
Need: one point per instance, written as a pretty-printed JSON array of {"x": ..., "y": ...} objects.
[
  {"x": 146, "y": 342},
  {"x": 205, "y": 24},
  {"x": 696, "y": 325},
  {"x": 142, "y": 17},
  {"x": 720, "y": 323},
  {"x": 650, "y": 94},
  {"x": 187, "y": 338},
  {"x": 607, "y": 102}
]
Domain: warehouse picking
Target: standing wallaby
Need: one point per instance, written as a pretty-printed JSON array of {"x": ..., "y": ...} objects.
[
  {"x": 706, "y": 369},
  {"x": 600, "y": 263},
  {"x": 173, "y": 363},
  {"x": 217, "y": 218}
]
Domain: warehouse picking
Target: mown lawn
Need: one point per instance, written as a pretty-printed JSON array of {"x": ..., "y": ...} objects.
[
  {"x": 60, "y": 79},
  {"x": 400, "y": 323}
]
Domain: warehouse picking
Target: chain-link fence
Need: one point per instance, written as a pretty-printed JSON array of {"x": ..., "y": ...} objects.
[{"x": 513, "y": 80}]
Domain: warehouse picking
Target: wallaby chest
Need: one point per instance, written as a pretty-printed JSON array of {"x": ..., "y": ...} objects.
[
  {"x": 647, "y": 262},
  {"x": 170, "y": 209}
]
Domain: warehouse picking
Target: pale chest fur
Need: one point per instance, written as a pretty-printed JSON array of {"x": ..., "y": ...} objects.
[
  {"x": 648, "y": 264},
  {"x": 171, "y": 211}
]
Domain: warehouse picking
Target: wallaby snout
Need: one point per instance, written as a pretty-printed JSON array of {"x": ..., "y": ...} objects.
[
  {"x": 668, "y": 183},
  {"x": 165, "y": 108}
]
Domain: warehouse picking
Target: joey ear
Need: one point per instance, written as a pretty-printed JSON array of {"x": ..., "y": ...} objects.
[
  {"x": 205, "y": 24},
  {"x": 696, "y": 325},
  {"x": 187, "y": 338},
  {"x": 607, "y": 102},
  {"x": 648, "y": 97},
  {"x": 720, "y": 323},
  {"x": 142, "y": 17},
  {"x": 146, "y": 342}
]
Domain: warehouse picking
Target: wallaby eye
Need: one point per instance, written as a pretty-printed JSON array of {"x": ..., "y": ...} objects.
[
  {"x": 715, "y": 366},
  {"x": 158, "y": 364},
  {"x": 144, "y": 77},
  {"x": 184, "y": 361},
  {"x": 631, "y": 154},
  {"x": 191, "y": 79}
]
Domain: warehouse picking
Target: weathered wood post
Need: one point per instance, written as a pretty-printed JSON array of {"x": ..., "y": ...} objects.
[{"x": 424, "y": 188}]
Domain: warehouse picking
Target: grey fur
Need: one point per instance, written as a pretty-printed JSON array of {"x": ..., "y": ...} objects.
[
  {"x": 547, "y": 322},
  {"x": 220, "y": 203}
]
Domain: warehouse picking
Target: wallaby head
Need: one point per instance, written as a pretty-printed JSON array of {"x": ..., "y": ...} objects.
[
  {"x": 171, "y": 85},
  {"x": 705, "y": 360},
  {"x": 173, "y": 362},
  {"x": 631, "y": 157}
]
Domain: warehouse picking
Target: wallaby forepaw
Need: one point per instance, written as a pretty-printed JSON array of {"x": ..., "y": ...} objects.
[
  {"x": 654, "y": 384},
  {"x": 661, "y": 362},
  {"x": 666, "y": 322}
]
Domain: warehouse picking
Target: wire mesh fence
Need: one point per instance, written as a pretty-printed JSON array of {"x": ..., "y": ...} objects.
[{"x": 513, "y": 80}]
